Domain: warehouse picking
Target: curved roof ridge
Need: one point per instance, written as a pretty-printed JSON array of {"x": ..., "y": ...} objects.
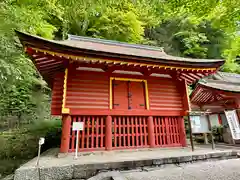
[
  {"x": 229, "y": 74},
  {"x": 113, "y": 42},
  {"x": 204, "y": 81}
]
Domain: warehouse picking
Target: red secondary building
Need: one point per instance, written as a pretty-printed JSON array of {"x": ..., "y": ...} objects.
[
  {"x": 217, "y": 93},
  {"x": 127, "y": 95}
]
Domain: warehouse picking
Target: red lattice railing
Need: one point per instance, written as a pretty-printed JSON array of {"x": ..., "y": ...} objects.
[
  {"x": 129, "y": 132},
  {"x": 167, "y": 131},
  {"x": 93, "y": 135},
  {"x": 125, "y": 132}
]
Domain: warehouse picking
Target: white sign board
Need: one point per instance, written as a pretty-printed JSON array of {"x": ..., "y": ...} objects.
[
  {"x": 199, "y": 124},
  {"x": 77, "y": 126},
  {"x": 233, "y": 124},
  {"x": 195, "y": 123},
  {"x": 41, "y": 141}
]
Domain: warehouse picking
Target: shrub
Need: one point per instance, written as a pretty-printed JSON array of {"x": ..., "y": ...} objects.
[{"x": 18, "y": 146}]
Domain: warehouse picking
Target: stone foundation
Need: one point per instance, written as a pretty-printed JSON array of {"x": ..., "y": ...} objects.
[{"x": 85, "y": 171}]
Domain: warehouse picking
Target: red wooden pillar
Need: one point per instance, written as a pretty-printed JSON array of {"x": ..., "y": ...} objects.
[
  {"x": 182, "y": 132},
  {"x": 151, "y": 136},
  {"x": 108, "y": 133},
  {"x": 65, "y": 138},
  {"x": 238, "y": 114},
  {"x": 238, "y": 108}
]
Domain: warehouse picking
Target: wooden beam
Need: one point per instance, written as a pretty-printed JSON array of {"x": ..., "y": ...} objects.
[
  {"x": 184, "y": 79},
  {"x": 185, "y": 95},
  {"x": 191, "y": 134},
  {"x": 218, "y": 102},
  {"x": 46, "y": 66},
  {"x": 210, "y": 128},
  {"x": 188, "y": 77},
  {"x": 196, "y": 76},
  {"x": 46, "y": 62}
]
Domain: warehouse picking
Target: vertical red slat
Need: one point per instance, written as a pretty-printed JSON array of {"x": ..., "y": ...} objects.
[
  {"x": 83, "y": 132},
  {"x": 170, "y": 129},
  {"x": 92, "y": 127},
  {"x": 120, "y": 132},
  {"x": 178, "y": 130},
  {"x": 88, "y": 128},
  {"x": 133, "y": 133},
  {"x": 80, "y": 140},
  {"x": 102, "y": 133},
  {"x": 145, "y": 131},
  {"x": 128, "y": 132},
  {"x": 164, "y": 129},
  {"x": 73, "y": 134},
  {"x": 175, "y": 129},
  {"x": 167, "y": 131},
  {"x": 124, "y": 133},
  {"x": 136, "y": 127},
  {"x": 141, "y": 133},
  {"x": 115, "y": 132},
  {"x": 97, "y": 132},
  {"x": 155, "y": 130},
  {"x": 159, "y": 131}
]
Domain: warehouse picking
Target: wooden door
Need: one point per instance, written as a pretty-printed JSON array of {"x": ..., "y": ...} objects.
[
  {"x": 137, "y": 98},
  {"x": 120, "y": 94},
  {"x": 128, "y": 95}
]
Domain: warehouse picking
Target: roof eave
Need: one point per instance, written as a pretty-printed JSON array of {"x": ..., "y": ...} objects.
[{"x": 34, "y": 41}]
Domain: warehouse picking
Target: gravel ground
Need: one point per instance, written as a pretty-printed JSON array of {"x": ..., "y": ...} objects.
[{"x": 214, "y": 170}]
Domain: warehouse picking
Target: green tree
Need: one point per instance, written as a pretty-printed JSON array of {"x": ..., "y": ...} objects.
[
  {"x": 18, "y": 77},
  {"x": 182, "y": 36},
  {"x": 231, "y": 55}
]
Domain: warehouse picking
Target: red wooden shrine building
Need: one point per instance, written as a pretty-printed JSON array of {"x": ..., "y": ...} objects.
[
  {"x": 217, "y": 93},
  {"x": 128, "y": 96}
]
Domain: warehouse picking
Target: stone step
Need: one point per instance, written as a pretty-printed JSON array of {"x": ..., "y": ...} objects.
[{"x": 96, "y": 171}]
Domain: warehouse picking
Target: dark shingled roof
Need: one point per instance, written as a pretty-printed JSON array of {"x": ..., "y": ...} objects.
[
  {"x": 125, "y": 48},
  {"x": 222, "y": 81},
  {"x": 115, "y": 49}
]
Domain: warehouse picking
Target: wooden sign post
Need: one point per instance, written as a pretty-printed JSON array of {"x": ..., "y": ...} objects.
[
  {"x": 77, "y": 126},
  {"x": 40, "y": 143}
]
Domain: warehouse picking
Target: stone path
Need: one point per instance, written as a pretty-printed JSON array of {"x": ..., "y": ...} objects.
[{"x": 220, "y": 170}]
